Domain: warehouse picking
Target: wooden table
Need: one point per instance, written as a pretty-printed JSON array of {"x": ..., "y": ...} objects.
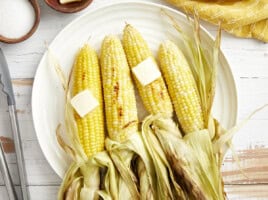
[{"x": 249, "y": 62}]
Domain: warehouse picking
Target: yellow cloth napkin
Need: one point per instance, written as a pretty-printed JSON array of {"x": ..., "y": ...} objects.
[{"x": 243, "y": 18}]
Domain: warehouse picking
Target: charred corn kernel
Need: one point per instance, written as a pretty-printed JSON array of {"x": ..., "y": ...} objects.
[
  {"x": 119, "y": 96},
  {"x": 155, "y": 96},
  {"x": 181, "y": 86},
  {"x": 86, "y": 75}
]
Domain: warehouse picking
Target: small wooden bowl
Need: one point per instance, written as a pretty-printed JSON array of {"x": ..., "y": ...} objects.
[
  {"x": 29, "y": 34},
  {"x": 69, "y": 7}
]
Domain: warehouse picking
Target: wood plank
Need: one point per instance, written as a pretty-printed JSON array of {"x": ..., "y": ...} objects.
[
  {"x": 43, "y": 192},
  {"x": 253, "y": 93},
  {"x": 38, "y": 172},
  {"x": 247, "y": 192},
  {"x": 254, "y": 164},
  {"x": 35, "y": 192},
  {"x": 245, "y": 67},
  {"x": 4, "y": 195}
]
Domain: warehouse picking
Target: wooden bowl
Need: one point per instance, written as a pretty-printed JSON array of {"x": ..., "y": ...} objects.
[
  {"x": 69, "y": 7},
  {"x": 33, "y": 29}
]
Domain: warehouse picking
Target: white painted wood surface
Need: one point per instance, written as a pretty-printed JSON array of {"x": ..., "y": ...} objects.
[{"x": 249, "y": 62}]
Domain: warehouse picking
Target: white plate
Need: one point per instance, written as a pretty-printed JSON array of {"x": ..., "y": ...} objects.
[{"x": 48, "y": 97}]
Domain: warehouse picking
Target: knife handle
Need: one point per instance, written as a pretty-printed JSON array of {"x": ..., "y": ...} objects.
[
  {"x": 18, "y": 149},
  {"x": 6, "y": 175}
]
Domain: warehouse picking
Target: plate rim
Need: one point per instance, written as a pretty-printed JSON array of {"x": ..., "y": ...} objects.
[{"x": 154, "y": 4}]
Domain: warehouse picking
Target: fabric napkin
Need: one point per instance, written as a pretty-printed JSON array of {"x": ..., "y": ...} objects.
[{"x": 243, "y": 18}]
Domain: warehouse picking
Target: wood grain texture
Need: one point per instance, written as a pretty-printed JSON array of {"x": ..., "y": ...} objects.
[
  {"x": 247, "y": 192},
  {"x": 249, "y": 62}
]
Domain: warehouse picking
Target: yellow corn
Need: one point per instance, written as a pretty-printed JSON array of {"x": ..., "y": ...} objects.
[
  {"x": 119, "y": 96},
  {"x": 155, "y": 96},
  {"x": 181, "y": 86},
  {"x": 86, "y": 75}
]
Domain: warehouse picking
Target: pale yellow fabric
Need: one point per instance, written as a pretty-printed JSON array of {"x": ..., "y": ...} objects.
[{"x": 243, "y": 18}]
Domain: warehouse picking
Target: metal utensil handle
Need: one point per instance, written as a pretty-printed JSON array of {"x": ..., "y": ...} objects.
[
  {"x": 18, "y": 149},
  {"x": 7, "y": 178}
]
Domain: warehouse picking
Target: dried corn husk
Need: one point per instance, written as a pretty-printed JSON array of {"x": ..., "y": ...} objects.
[
  {"x": 123, "y": 154},
  {"x": 191, "y": 158},
  {"x": 166, "y": 185},
  {"x": 72, "y": 186}
]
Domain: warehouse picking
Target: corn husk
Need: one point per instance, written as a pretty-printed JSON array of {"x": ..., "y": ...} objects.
[
  {"x": 166, "y": 185},
  {"x": 87, "y": 185},
  {"x": 78, "y": 184},
  {"x": 146, "y": 190},
  {"x": 71, "y": 187},
  {"x": 122, "y": 155},
  {"x": 191, "y": 158}
]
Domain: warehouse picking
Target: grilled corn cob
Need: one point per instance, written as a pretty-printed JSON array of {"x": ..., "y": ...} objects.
[
  {"x": 119, "y": 96},
  {"x": 86, "y": 75},
  {"x": 181, "y": 86},
  {"x": 155, "y": 96}
]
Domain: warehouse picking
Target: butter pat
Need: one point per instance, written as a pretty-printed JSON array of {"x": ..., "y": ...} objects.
[
  {"x": 84, "y": 102},
  {"x": 147, "y": 71},
  {"x": 68, "y": 1}
]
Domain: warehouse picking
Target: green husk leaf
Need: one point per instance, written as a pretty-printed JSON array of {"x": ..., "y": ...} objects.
[
  {"x": 146, "y": 189},
  {"x": 211, "y": 90},
  {"x": 166, "y": 186},
  {"x": 89, "y": 174},
  {"x": 111, "y": 176},
  {"x": 104, "y": 195},
  {"x": 54, "y": 63},
  {"x": 68, "y": 149},
  {"x": 192, "y": 160},
  {"x": 200, "y": 143},
  {"x": 145, "y": 168},
  {"x": 74, "y": 190},
  {"x": 122, "y": 155},
  {"x": 71, "y": 176}
]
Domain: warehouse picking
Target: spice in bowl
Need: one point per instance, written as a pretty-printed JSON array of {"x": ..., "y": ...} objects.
[{"x": 17, "y": 18}]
